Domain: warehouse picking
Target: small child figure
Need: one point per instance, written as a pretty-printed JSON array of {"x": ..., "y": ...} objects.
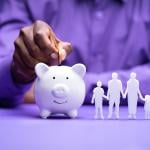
[
  {"x": 98, "y": 95},
  {"x": 147, "y": 106}
]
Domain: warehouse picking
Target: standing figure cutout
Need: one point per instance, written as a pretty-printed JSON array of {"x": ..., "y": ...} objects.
[
  {"x": 147, "y": 106},
  {"x": 113, "y": 94},
  {"x": 97, "y": 98},
  {"x": 132, "y": 91}
]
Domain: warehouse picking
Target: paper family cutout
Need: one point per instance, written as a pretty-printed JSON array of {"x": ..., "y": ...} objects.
[{"x": 115, "y": 90}]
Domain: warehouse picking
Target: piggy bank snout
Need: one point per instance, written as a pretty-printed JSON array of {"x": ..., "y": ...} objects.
[{"x": 60, "y": 91}]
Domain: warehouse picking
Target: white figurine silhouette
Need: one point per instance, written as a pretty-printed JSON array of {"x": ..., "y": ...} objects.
[
  {"x": 147, "y": 106},
  {"x": 132, "y": 91},
  {"x": 113, "y": 94},
  {"x": 97, "y": 98}
]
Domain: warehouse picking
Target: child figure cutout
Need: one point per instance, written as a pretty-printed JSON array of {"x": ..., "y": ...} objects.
[
  {"x": 113, "y": 94},
  {"x": 132, "y": 91},
  {"x": 97, "y": 98},
  {"x": 147, "y": 106}
]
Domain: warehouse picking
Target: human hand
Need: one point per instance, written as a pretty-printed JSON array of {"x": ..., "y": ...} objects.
[
  {"x": 124, "y": 96},
  {"x": 107, "y": 98},
  {"x": 92, "y": 102},
  {"x": 142, "y": 98},
  {"x": 36, "y": 43}
]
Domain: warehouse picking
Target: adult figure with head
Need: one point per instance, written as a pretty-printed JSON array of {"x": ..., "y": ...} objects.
[
  {"x": 113, "y": 94},
  {"x": 133, "y": 92}
]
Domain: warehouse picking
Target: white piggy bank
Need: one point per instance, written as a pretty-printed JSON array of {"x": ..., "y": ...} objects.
[{"x": 59, "y": 89}]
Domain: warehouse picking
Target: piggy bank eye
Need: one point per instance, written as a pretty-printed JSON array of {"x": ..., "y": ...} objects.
[
  {"x": 67, "y": 78},
  {"x": 53, "y": 77}
]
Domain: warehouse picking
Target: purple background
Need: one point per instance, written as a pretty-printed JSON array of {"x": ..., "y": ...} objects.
[{"x": 106, "y": 35}]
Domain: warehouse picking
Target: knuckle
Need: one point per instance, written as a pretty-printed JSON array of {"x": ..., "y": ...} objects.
[
  {"x": 68, "y": 48},
  {"x": 17, "y": 42},
  {"x": 39, "y": 34},
  {"x": 38, "y": 22},
  {"x": 15, "y": 56},
  {"x": 23, "y": 31}
]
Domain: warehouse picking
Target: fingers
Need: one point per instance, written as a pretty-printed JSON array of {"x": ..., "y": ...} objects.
[
  {"x": 20, "y": 64},
  {"x": 34, "y": 50},
  {"x": 20, "y": 71},
  {"x": 48, "y": 57},
  {"x": 65, "y": 49},
  {"x": 20, "y": 67},
  {"x": 37, "y": 43},
  {"x": 23, "y": 53},
  {"x": 43, "y": 38},
  {"x": 47, "y": 41}
]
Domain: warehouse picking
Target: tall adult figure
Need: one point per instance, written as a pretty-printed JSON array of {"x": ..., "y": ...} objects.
[
  {"x": 113, "y": 94},
  {"x": 132, "y": 92}
]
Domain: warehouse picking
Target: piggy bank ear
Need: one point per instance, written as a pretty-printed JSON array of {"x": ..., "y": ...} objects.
[
  {"x": 80, "y": 69},
  {"x": 40, "y": 69}
]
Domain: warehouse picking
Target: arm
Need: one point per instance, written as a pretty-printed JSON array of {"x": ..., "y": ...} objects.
[
  {"x": 121, "y": 89},
  {"x": 93, "y": 98},
  {"x": 139, "y": 92},
  {"x": 140, "y": 95},
  {"x": 125, "y": 94},
  {"x": 142, "y": 98},
  {"x": 108, "y": 92},
  {"x": 105, "y": 97},
  {"x": 11, "y": 93}
]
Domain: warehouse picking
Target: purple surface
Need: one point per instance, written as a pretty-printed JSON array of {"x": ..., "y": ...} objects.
[{"x": 21, "y": 128}]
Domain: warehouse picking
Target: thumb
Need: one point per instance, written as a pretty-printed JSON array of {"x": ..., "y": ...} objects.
[{"x": 65, "y": 49}]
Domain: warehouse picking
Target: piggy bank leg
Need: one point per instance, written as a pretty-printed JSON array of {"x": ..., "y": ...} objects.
[
  {"x": 72, "y": 114},
  {"x": 45, "y": 113}
]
